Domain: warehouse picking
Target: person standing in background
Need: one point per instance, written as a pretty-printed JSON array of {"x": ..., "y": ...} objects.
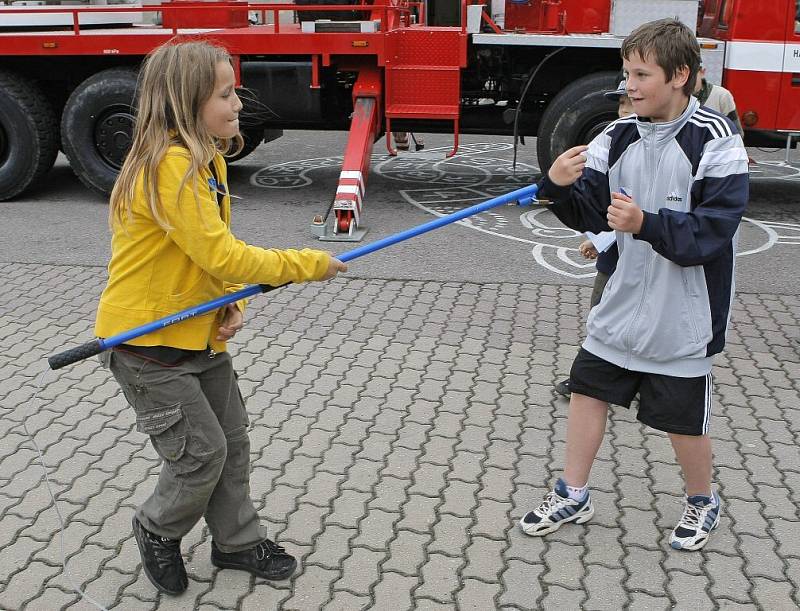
[{"x": 716, "y": 97}]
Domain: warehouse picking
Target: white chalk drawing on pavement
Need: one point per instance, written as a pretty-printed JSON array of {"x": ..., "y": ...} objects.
[
  {"x": 441, "y": 186},
  {"x": 292, "y": 174},
  {"x": 774, "y": 170}
]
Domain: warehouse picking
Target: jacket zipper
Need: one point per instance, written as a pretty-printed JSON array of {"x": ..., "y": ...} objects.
[{"x": 638, "y": 311}]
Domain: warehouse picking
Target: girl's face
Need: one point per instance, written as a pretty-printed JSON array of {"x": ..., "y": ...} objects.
[
  {"x": 220, "y": 113},
  {"x": 651, "y": 94}
]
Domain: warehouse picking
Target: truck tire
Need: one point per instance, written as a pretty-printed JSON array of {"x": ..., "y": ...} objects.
[
  {"x": 97, "y": 127},
  {"x": 28, "y": 134},
  {"x": 576, "y": 114}
]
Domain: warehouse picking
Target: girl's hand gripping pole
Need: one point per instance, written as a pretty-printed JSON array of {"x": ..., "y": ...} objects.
[{"x": 523, "y": 196}]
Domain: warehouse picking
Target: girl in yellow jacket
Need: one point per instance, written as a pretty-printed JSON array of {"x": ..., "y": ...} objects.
[{"x": 172, "y": 248}]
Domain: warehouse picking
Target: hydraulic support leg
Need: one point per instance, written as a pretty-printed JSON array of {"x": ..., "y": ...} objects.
[{"x": 348, "y": 203}]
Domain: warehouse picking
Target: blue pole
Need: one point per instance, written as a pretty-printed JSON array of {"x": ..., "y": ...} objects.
[{"x": 523, "y": 196}]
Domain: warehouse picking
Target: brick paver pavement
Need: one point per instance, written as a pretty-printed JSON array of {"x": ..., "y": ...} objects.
[{"x": 399, "y": 431}]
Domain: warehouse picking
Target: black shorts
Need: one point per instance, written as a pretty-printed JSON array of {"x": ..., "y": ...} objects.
[{"x": 666, "y": 403}]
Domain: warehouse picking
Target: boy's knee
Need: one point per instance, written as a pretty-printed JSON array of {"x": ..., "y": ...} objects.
[{"x": 216, "y": 453}]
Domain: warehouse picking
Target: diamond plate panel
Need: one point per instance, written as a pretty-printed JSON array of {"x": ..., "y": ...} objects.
[
  {"x": 425, "y": 88},
  {"x": 426, "y": 47},
  {"x": 627, "y": 15}
]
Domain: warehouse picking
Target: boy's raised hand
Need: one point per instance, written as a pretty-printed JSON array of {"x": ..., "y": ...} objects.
[
  {"x": 568, "y": 167},
  {"x": 624, "y": 214}
]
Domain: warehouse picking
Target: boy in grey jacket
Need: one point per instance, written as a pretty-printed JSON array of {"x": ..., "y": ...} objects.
[{"x": 672, "y": 182}]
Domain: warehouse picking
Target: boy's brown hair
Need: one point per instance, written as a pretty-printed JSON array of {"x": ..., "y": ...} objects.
[{"x": 670, "y": 44}]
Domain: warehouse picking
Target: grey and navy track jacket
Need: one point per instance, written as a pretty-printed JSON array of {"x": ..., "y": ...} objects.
[{"x": 666, "y": 308}]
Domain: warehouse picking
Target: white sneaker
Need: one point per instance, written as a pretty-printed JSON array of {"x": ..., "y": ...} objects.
[
  {"x": 556, "y": 509},
  {"x": 700, "y": 517}
]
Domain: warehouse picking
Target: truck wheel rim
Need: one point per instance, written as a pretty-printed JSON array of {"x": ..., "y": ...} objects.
[
  {"x": 113, "y": 134},
  {"x": 593, "y": 131}
]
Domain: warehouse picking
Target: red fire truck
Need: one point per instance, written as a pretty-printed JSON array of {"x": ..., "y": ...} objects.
[{"x": 516, "y": 67}]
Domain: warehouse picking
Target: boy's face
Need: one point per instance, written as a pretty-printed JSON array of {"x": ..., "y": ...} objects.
[
  {"x": 652, "y": 96},
  {"x": 625, "y": 107}
]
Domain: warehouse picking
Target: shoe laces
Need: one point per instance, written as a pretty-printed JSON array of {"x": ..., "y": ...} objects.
[
  {"x": 167, "y": 551},
  {"x": 551, "y": 503},
  {"x": 268, "y": 548},
  {"x": 693, "y": 516}
]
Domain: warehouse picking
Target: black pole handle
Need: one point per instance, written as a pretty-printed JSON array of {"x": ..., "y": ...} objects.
[
  {"x": 96, "y": 346},
  {"x": 73, "y": 355}
]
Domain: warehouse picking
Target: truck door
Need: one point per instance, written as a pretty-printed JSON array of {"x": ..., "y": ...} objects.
[
  {"x": 755, "y": 33},
  {"x": 788, "y": 117}
]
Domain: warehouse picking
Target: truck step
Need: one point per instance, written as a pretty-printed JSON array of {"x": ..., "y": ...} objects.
[{"x": 422, "y": 111}]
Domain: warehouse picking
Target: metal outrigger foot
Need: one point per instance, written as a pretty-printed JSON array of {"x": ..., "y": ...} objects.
[{"x": 333, "y": 231}]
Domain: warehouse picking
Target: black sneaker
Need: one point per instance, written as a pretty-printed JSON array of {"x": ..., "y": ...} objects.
[
  {"x": 161, "y": 560},
  {"x": 267, "y": 559},
  {"x": 563, "y": 389}
]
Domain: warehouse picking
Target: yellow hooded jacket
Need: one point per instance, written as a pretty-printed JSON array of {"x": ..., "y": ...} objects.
[{"x": 154, "y": 273}]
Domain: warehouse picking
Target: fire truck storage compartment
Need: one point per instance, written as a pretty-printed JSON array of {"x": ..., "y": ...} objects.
[
  {"x": 285, "y": 88},
  {"x": 627, "y": 15},
  {"x": 549, "y": 16}
]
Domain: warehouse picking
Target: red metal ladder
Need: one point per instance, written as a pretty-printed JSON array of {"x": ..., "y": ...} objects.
[{"x": 423, "y": 76}]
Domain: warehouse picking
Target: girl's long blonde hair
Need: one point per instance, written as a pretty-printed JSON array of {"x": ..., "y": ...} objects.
[{"x": 175, "y": 81}]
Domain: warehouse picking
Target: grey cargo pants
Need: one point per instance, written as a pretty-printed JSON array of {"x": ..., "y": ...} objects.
[{"x": 197, "y": 423}]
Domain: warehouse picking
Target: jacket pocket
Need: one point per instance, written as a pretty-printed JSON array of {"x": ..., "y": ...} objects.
[
  {"x": 688, "y": 297},
  {"x": 667, "y": 326},
  {"x": 195, "y": 278}
]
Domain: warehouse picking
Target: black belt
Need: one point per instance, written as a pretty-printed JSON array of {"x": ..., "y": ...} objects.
[{"x": 165, "y": 355}]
